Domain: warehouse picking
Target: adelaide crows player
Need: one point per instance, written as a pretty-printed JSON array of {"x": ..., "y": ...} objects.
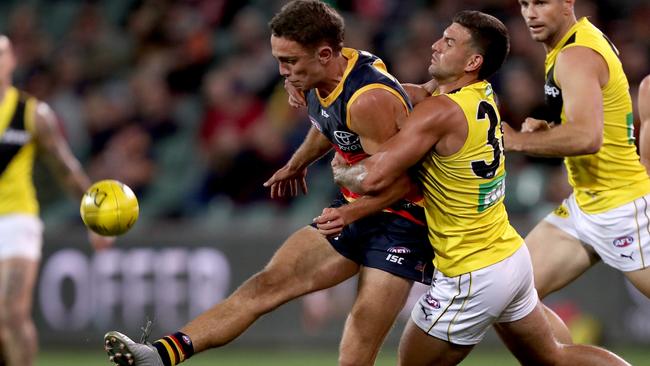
[{"x": 354, "y": 105}]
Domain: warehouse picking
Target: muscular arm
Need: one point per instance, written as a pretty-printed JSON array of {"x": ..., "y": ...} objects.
[
  {"x": 312, "y": 148},
  {"x": 433, "y": 121},
  {"x": 57, "y": 154},
  {"x": 581, "y": 73},
  {"x": 644, "y": 115}
]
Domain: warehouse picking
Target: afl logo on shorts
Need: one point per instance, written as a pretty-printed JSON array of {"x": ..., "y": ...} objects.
[
  {"x": 345, "y": 138},
  {"x": 432, "y": 302},
  {"x": 623, "y": 241},
  {"x": 399, "y": 250}
]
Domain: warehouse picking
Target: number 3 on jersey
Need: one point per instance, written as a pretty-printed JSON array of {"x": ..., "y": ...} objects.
[{"x": 492, "y": 191}]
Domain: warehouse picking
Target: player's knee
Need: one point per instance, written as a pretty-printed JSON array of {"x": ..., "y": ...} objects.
[
  {"x": 14, "y": 316},
  {"x": 271, "y": 288}
]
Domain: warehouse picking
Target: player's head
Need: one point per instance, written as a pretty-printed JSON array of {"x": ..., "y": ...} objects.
[
  {"x": 547, "y": 20},
  {"x": 7, "y": 59},
  {"x": 305, "y": 36},
  {"x": 474, "y": 43}
]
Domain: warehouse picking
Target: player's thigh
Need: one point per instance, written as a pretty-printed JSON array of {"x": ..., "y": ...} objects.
[
  {"x": 530, "y": 339},
  {"x": 17, "y": 279},
  {"x": 418, "y": 348},
  {"x": 641, "y": 280},
  {"x": 558, "y": 257},
  {"x": 377, "y": 284},
  {"x": 308, "y": 260}
]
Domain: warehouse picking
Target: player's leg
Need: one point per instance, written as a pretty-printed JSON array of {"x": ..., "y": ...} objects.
[
  {"x": 306, "y": 262},
  {"x": 558, "y": 258},
  {"x": 418, "y": 348},
  {"x": 640, "y": 279},
  {"x": 17, "y": 331},
  {"x": 531, "y": 341},
  {"x": 526, "y": 330},
  {"x": 380, "y": 298}
]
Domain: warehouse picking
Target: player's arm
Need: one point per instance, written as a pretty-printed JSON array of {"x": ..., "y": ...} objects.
[
  {"x": 418, "y": 92},
  {"x": 373, "y": 116},
  {"x": 644, "y": 116},
  {"x": 291, "y": 177},
  {"x": 433, "y": 119},
  {"x": 61, "y": 162},
  {"x": 581, "y": 72}
]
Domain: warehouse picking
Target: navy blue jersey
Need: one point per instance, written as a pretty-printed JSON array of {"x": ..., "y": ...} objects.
[{"x": 330, "y": 115}]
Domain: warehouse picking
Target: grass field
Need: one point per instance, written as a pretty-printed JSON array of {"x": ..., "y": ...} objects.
[{"x": 246, "y": 357}]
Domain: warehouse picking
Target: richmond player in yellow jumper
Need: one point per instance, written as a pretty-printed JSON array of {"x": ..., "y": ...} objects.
[
  {"x": 606, "y": 216},
  {"x": 27, "y": 128},
  {"x": 484, "y": 274}
]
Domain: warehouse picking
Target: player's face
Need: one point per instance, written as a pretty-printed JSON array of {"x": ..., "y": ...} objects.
[
  {"x": 451, "y": 54},
  {"x": 7, "y": 59},
  {"x": 544, "y": 18},
  {"x": 297, "y": 64}
]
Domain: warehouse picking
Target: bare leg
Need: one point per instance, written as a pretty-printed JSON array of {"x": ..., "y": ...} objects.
[
  {"x": 306, "y": 262},
  {"x": 641, "y": 280},
  {"x": 368, "y": 324},
  {"x": 558, "y": 259},
  {"x": 17, "y": 331},
  {"x": 531, "y": 340},
  {"x": 416, "y": 348}
]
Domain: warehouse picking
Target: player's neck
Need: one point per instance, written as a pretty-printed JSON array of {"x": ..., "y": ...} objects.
[
  {"x": 557, "y": 37},
  {"x": 451, "y": 85},
  {"x": 335, "y": 71},
  {"x": 4, "y": 86}
]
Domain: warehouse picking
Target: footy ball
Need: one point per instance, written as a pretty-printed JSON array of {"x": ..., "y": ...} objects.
[{"x": 109, "y": 208}]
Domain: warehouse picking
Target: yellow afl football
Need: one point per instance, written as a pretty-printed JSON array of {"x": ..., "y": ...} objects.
[{"x": 109, "y": 208}]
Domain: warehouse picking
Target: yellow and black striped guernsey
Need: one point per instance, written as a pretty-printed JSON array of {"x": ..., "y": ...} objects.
[
  {"x": 17, "y": 153},
  {"x": 613, "y": 176}
]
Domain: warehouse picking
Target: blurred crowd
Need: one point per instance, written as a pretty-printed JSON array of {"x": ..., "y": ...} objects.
[{"x": 182, "y": 100}]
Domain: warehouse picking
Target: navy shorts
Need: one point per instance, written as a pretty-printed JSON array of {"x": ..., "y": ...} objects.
[{"x": 388, "y": 242}]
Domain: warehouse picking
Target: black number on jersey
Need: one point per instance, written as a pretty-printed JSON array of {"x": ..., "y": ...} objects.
[{"x": 480, "y": 167}]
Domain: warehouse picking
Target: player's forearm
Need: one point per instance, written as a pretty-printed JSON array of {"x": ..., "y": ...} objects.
[
  {"x": 370, "y": 204},
  {"x": 564, "y": 140},
  {"x": 312, "y": 148},
  {"x": 73, "y": 178}
]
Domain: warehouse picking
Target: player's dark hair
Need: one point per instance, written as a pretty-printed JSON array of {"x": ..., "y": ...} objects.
[
  {"x": 309, "y": 23},
  {"x": 489, "y": 37}
]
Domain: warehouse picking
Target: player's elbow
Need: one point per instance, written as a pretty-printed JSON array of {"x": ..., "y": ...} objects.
[{"x": 591, "y": 143}]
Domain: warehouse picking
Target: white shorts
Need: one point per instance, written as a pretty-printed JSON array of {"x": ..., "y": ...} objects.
[
  {"x": 620, "y": 236},
  {"x": 461, "y": 309},
  {"x": 21, "y": 236}
]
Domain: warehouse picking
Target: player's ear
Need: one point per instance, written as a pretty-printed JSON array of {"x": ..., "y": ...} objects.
[
  {"x": 567, "y": 6},
  {"x": 474, "y": 62},
  {"x": 325, "y": 54}
]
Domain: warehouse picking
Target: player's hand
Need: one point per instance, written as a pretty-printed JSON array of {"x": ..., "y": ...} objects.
[
  {"x": 532, "y": 125},
  {"x": 331, "y": 221},
  {"x": 286, "y": 182},
  {"x": 99, "y": 242},
  {"x": 296, "y": 97}
]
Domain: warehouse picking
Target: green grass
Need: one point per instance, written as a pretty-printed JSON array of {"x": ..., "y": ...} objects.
[{"x": 244, "y": 357}]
